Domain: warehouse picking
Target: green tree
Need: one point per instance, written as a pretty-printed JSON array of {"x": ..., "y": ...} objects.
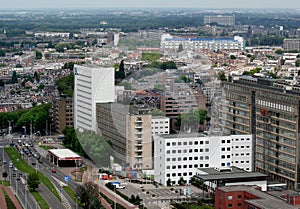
[
  {"x": 89, "y": 196},
  {"x": 169, "y": 182},
  {"x": 180, "y": 48},
  {"x": 190, "y": 121},
  {"x": 297, "y": 63},
  {"x": 14, "y": 78},
  {"x": 233, "y": 57},
  {"x": 38, "y": 55},
  {"x": 157, "y": 112},
  {"x": 181, "y": 181},
  {"x": 120, "y": 74},
  {"x": 159, "y": 87},
  {"x": 33, "y": 181},
  {"x": 221, "y": 76},
  {"x": 19, "y": 65}
]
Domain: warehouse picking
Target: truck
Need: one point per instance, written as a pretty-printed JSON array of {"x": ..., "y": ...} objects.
[{"x": 118, "y": 185}]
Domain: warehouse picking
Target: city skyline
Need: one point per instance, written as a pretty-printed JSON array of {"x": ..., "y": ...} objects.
[{"x": 17, "y": 4}]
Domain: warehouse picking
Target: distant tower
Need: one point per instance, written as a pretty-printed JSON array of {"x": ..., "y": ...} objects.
[{"x": 4, "y": 31}]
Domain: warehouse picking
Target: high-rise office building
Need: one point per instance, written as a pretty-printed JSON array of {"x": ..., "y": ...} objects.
[
  {"x": 62, "y": 113},
  {"x": 268, "y": 109},
  {"x": 93, "y": 84}
]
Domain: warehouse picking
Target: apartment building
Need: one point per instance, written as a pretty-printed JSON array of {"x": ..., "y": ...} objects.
[
  {"x": 177, "y": 156},
  {"x": 160, "y": 125},
  {"x": 62, "y": 111},
  {"x": 290, "y": 44},
  {"x": 268, "y": 109},
  {"x": 129, "y": 132},
  {"x": 92, "y": 84},
  {"x": 170, "y": 43}
]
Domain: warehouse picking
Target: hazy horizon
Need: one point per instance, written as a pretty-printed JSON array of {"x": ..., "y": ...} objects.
[{"x": 218, "y": 4}]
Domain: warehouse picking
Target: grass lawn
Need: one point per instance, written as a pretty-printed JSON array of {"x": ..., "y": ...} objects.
[
  {"x": 6, "y": 183},
  {"x": 45, "y": 147},
  {"x": 22, "y": 165},
  {"x": 42, "y": 203}
]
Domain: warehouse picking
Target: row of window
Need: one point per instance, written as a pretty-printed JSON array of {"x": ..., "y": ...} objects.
[
  {"x": 185, "y": 158},
  {"x": 185, "y": 143},
  {"x": 187, "y": 151},
  {"x": 179, "y": 174}
]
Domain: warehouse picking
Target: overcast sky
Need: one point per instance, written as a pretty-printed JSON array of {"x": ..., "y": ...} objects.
[{"x": 149, "y": 4}]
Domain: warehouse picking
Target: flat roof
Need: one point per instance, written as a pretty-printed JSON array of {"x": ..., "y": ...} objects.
[
  {"x": 265, "y": 200},
  {"x": 210, "y": 174},
  {"x": 64, "y": 154}
]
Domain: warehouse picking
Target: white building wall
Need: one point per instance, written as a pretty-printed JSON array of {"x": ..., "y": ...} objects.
[
  {"x": 160, "y": 125},
  {"x": 182, "y": 156},
  {"x": 92, "y": 85}
]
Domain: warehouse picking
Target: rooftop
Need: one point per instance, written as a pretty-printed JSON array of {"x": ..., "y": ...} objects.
[
  {"x": 265, "y": 200},
  {"x": 64, "y": 154},
  {"x": 209, "y": 174}
]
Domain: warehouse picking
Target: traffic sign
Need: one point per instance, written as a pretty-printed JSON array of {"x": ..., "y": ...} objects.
[{"x": 67, "y": 178}]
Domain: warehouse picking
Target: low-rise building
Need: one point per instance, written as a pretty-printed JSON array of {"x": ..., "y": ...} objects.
[{"x": 181, "y": 155}]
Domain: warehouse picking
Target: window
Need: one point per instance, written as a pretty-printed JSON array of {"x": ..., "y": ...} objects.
[
  {"x": 190, "y": 166},
  {"x": 179, "y": 143},
  {"x": 184, "y": 151},
  {"x": 242, "y": 146},
  {"x": 168, "y": 159},
  {"x": 190, "y": 158},
  {"x": 174, "y": 167},
  {"x": 168, "y": 151},
  {"x": 184, "y": 166},
  {"x": 196, "y": 166},
  {"x": 173, "y": 174},
  {"x": 179, "y": 159},
  {"x": 201, "y": 150},
  {"x": 228, "y": 141},
  {"x": 236, "y": 146},
  {"x": 168, "y": 175},
  {"x": 173, "y": 143},
  {"x": 190, "y": 173},
  {"x": 185, "y": 158},
  {"x": 201, "y": 142},
  {"x": 239, "y": 204},
  {"x": 201, "y": 157},
  {"x": 174, "y": 159},
  {"x": 223, "y": 156},
  {"x": 173, "y": 151},
  {"x": 222, "y": 164},
  {"x": 206, "y": 158},
  {"x": 229, "y": 205},
  {"x": 179, "y": 166},
  {"x": 184, "y": 143},
  {"x": 195, "y": 158},
  {"x": 206, "y": 150},
  {"x": 207, "y": 165},
  {"x": 168, "y": 167},
  {"x": 190, "y": 143},
  {"x": 168, "y": 144},
  {"x": 179, "y": 151},
  {"x": 223, "y": 149},
  {"x": 196, "y": 142},
  {"x": 206, "y": 142},
  {"x": 228, "y": 156},
  {"x": 223, "y": 141},
  {"x": 230, "y": 197},
  {"x": 184, "y": 174},
  {"x": 239, "y": 196},
  {"x": 228, "y": 148},
  {"x": 179, "y": 174},
  {"x": 195, "y": 150}
]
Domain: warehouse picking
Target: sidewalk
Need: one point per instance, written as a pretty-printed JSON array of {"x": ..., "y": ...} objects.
[{"x": 11, "y": 196}]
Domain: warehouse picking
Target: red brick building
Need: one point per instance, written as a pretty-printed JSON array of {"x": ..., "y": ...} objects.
[{"x": 251, "y": 197}]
